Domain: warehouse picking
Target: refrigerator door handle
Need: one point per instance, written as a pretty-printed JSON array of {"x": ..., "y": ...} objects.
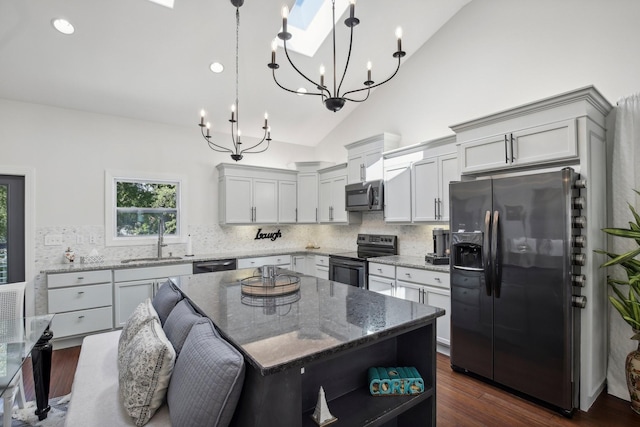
[
  {"x": 494, "y": 254},
  {"x": 486, "y": 260}
]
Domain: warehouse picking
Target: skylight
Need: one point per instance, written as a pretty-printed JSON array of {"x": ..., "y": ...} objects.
[
  {"x": 310, "y": 24},
  {"x": 165, "y": 3}
]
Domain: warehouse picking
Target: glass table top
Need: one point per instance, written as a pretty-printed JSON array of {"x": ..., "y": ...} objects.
[{"x": 17, "y": 339}]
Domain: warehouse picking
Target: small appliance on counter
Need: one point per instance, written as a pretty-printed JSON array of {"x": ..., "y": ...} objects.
[{"x": 440, "y": 256}]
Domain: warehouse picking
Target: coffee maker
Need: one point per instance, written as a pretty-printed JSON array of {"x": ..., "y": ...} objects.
[{"x": 441, "y": 241}]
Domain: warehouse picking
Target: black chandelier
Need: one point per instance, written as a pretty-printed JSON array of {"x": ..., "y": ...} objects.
[
  {"x": 333, "y": 100},
  {"x": 237, "y": 151}
]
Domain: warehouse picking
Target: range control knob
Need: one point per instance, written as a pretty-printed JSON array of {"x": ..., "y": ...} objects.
[
  {"x": 579, "y": 241},
  {"x": 580, "y": 222},
  {"x": 580, "y": 183},
  {"x": 578, "y": 280},
  {"x": 578, "y": 259},
  {"x": 579, "y": 301},
  {"x": 579, "y": 203}
]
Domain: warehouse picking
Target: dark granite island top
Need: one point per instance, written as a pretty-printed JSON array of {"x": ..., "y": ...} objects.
[
  {"x": 327, "y": 334},
  {"x": 325, "y": 317}
]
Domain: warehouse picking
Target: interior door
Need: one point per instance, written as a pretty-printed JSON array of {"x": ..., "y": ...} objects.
[{"x": 12, "y": 229}]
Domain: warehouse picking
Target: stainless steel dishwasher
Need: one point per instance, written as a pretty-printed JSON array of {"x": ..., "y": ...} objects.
[{"x": 214, "y": 265}]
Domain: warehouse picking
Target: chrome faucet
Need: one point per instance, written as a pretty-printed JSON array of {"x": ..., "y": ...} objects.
[{"x": 160, "y": 236}]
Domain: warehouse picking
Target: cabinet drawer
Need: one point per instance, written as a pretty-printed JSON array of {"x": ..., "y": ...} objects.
[
  {"x": 159, "y": 272},
  {"x": 322, "y": 260},
  {"x": 78, "y": 278},
  {"x": 281, "y": 260},
  {"x": 82, "y": 322},
  {"x": 79, "y": 297},
  {"x": 423, "y": 277},
  {"x": 384, "y": 270}
]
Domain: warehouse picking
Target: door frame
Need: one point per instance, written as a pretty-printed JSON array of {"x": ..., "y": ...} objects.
[{"x": 29, "y": 175}]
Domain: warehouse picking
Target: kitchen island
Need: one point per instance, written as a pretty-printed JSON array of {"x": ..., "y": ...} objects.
[{"x": 325, "y": 334}]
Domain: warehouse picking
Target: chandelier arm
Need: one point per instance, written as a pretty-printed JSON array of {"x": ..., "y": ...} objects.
[
  {"x": 256, "y": 152},
  {"x": 212, "y": 144},
  {"x": 358, "y": 100},
  {"x": 377, "y": 84},
  {"x": 248, "y": 150},
  {"x": 286, "y": 51},
  {"x": 346, "y": 66},
  {"x": 293, "y": 91}
]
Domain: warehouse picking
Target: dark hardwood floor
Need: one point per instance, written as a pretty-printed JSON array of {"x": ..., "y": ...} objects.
[{"x": 461, "y": 400}]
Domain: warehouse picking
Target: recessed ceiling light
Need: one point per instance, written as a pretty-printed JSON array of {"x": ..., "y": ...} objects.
[
  {"x": 301, "y": 91},
  {"x": 216, "y": 67},
  {"x": 63, "y": 26}
]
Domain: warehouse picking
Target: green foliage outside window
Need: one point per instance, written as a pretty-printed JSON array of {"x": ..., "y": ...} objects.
[{"x": 140, "y": 205}]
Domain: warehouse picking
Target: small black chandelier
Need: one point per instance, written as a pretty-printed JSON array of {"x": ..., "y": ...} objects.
[
  {"x": 237, "y": 151},
  {"x": 333, "y": 100}
]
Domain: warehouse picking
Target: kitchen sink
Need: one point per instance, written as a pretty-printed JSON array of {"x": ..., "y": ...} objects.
[{"x": 156, "y": 259}]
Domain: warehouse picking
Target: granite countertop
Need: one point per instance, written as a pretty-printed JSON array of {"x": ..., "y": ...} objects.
[
  {"x": 118, "y": 264},
  {"x": 319, "y": 320},
  {"x": 409, "y": 261}
]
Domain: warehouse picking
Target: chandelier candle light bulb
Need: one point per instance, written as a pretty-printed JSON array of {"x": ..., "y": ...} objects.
[
  {"x": 322, "y": 76},
  {"x": 399, "y": 36},
  {"x": 285, "y": 15}
]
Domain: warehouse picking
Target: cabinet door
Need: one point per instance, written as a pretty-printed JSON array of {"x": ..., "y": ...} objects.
[
  {"x": 381, "y": 285},
  {"x": 337, "y": 199},
  {"x": 484, "y": 154},
  {"x": 322, "y": 272},
  {"x": 441, "y": 298},
  {"x": 308, "y": 198},
  {"x": 408, "y": 291},
  {"x": 554, "y": 141},
  {"x": 324, "y": 207},
  {"x": 397, "y": 193},
  {"x": 448, "y": 168},
  {"x": 355, "y": 168},
  {"x": 299, "y": 263},
  {"x": 425, "y": 189},
  {"x": 128, "y": 295},
  {"x": 238, "y": 200},
  {"x": 287, "y": 201},
  {"x": 265, "y": 201}
]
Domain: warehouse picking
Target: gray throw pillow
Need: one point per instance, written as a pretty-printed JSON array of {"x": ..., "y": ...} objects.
[
  {"x": 179, "y": 323},
  {"x": 165, "y": 299},
  {"x": 144, "y": 376},
  {"x": 207, "y": 380},
  {"x": 143, "y": 313}
]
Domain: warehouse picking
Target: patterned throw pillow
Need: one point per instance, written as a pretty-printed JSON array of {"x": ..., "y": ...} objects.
[
  {"x": 144, "y": 374},
  {"x": 143, "y": 313}
]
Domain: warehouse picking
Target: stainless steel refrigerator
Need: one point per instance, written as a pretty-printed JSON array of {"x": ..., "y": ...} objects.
[{"x": 515, "y": 249}]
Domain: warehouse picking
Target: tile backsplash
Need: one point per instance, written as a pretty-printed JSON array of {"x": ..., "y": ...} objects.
[{"x": 218, "y": 239}]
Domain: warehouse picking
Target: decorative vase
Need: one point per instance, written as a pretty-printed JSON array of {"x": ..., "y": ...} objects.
[{"x": 632, "y": 370}]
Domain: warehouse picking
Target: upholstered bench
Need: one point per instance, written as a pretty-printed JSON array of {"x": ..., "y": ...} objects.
[{"x": 201, "y": 389}]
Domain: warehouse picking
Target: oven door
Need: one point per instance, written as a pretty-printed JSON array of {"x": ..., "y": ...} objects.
[{"x": 350, "y": 271}]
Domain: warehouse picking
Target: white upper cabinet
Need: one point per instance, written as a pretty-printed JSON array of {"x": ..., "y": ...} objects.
[
  {"x": 417, "y": 181},
  {"x": 331, "y": 208},
  {"x": 365, "y": 157},
  {"x": 307, "y": 197},
  {"x": 256, "y": 195}
]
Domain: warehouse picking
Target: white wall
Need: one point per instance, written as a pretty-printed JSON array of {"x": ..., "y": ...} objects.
[{"x": 497, "y": 54}]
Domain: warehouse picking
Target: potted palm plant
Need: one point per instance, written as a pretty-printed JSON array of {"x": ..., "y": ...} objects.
[{"x": 626, "y": 298}]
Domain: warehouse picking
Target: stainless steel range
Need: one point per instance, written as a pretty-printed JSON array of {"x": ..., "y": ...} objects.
[{"x": 352, "y": 267}]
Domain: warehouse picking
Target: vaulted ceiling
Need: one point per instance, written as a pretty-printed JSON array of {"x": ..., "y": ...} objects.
[{"x": 137, "y": 59}]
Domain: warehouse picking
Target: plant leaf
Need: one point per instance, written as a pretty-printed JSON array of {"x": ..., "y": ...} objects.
[{"x": 620, "y": 259}]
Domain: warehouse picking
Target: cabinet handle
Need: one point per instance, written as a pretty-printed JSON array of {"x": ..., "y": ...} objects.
[
  {"x": 81, "y": 317},
  {"x": 362, "y": 173},
  {"x": 438, "y": 279},
  {"x": 380, "y": 270},
  {"x": 316, "y": 214},
  {"x": 296, "y": 214},
  {"x": 435, "y": 208},
  {"x": 80, "y": 278},
  {"x": 513, "y": 158},
  {"x": 506, "y": 153},
  {"x": 407, "y": 274},
  {"x": 80, "y": 292}
]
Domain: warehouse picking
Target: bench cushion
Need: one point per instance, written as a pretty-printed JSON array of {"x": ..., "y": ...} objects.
[
  {"x": 179, "y": 323},
  {"x": 95, "y": 400},
  {"x": 165, "y": 299},
  {"x": 147, "y": 364},
  {"x": 207, "y": 380}
]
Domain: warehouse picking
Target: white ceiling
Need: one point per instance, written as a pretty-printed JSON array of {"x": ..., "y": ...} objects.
[{"x": 136, "y": 59}]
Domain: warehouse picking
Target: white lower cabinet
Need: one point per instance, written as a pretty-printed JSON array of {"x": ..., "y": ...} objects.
[
  {"x": 418, "y": 285},
  {"x": 82, "y": 302},
  {"x": 321, "y": 267},
  {"x": 134, "y": 285},
  {"x": 299, "y": 264},
  {"x": 283, "y": 261}
]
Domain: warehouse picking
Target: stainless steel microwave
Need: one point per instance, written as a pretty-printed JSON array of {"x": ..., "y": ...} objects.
[{"x": 365, "y": 196}]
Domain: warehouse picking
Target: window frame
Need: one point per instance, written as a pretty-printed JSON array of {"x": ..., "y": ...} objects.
[{"x": 112, "y": 177}]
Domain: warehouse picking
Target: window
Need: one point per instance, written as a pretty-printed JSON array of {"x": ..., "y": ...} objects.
[{"x": 137, "y": 205}]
